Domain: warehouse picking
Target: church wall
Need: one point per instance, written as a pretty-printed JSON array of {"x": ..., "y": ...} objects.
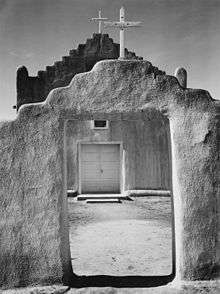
[
  {"x": 145, "y": 145},
  {"x": 32, "y": 220},
  {"x": 34, "y": 242}
]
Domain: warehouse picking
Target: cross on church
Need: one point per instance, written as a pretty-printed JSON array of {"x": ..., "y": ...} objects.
[
  {"x": 100, "y": 19},
  {"x": 122, "y": 25}
]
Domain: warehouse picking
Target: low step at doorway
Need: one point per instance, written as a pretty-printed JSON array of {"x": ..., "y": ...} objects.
[{"x": 84, "y": 197}]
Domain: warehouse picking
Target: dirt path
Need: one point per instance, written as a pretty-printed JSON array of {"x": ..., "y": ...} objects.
[{"x": 131, "y": 238}]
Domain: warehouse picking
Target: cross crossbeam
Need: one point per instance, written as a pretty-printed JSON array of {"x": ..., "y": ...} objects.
[
  {"x": 99, "y": 19},
  {"x": 122, "y": 25}
]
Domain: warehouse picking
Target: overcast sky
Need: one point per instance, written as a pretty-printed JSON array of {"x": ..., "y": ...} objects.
[{"x": 36, "y": 33}]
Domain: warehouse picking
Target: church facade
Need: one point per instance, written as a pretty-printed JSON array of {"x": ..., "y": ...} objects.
[
  {"x": 108, "y": 156},
  {"x": 104, "y": 156}
]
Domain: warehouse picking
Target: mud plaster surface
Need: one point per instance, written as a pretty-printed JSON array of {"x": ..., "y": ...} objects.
[
  {"x": 128, "y": 238},
  {"x": 33, "y": 207}
]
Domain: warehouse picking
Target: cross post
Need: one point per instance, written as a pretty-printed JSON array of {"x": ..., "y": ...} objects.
[
  {"x": 122, "y": 25},
  {"x": 99, "y": 19},
  {"x": 122, "y": 34}
]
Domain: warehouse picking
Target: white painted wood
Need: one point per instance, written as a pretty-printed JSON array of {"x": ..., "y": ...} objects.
[
  {"x": 122, "y": 34},
  {"x": 99, "y": 19},
  {"x": 122, "y": 25},
  {"x": 100, "y": 168}
]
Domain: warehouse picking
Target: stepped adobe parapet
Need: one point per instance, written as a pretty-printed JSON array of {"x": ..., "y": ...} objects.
[{"x": 35, "y": 89}]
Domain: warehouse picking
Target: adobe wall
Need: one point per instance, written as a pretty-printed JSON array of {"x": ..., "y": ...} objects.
[
  {"x": 34, "y": 245},
  {"x": 35, "y": 89},
  {"x": 33, "y": 225},
  {"x": 147, "y": 158}
]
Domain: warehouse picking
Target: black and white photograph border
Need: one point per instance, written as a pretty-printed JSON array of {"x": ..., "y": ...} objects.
[{"x": 109, "y": 153}]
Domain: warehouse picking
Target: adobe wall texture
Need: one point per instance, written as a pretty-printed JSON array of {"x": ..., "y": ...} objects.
[
  {"x": 35, "y": 89},
  {"x": 32, "y": 220},
  {"x": 146, "y": 148},
  {"x": 33, "y": 224}
]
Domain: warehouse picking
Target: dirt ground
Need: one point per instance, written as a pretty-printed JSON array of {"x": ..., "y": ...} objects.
[
  {"x": 136, "y": 234},
  {"x": 129, "y": 238}
]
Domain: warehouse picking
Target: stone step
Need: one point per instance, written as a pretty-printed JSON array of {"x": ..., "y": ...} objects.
[
  {"x": 141, "y": 193},
  {"x": 109, "y": 200},
  {"x": 100, "y": 196}
]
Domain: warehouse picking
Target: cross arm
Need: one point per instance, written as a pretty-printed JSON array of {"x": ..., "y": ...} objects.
[
  {"x": 99, "y": 18},
  {"x": 112, "y": 24},
  {"x": 132, "y": 23},
  {"x": 123, "y": 24}
]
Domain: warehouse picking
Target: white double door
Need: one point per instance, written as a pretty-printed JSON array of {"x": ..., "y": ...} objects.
[{"x": 100, "y": 168}]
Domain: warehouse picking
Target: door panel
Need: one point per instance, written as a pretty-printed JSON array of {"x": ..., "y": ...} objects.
[{"x": 100, "y": 168}]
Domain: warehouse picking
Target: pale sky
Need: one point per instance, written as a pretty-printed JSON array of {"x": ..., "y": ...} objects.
[{"x": 36, "y": 33}]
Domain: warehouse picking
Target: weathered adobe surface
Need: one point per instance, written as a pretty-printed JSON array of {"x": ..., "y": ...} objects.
[
  {"x": 34, "y": 245},
  {"x": 35, "y": 89}
]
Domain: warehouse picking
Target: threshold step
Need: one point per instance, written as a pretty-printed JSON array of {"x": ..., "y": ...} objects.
[
  {"x": 110, "y": 200},
  {"x": 100, "y": 196},
  {"x": 141, "y": 193}
]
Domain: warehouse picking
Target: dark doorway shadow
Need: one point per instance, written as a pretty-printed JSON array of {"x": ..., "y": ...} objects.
[{"x": 120, "y": 282}]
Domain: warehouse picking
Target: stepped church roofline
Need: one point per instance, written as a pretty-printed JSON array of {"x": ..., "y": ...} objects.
[{"x": 31, "y": 89}]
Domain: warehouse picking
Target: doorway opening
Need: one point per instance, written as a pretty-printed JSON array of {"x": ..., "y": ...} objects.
[{"x": 128, "y": 242}]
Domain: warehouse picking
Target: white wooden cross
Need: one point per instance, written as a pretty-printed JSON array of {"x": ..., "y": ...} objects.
[
  {"x": 122, "y": 25},
  {"x": 100, "y": 19}
]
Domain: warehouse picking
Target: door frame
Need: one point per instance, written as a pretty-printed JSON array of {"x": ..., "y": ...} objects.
[{"x": 121, "y": 163}]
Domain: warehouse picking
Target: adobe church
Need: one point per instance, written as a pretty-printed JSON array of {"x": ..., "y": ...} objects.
[
  {"x": 122, "y": 126},
  {"x": 104, "y": 156}
]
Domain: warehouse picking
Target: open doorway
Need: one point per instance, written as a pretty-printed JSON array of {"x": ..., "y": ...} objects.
[
  {"x": 120, "y": 198},
  {"x": 130, "y": 238}
]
